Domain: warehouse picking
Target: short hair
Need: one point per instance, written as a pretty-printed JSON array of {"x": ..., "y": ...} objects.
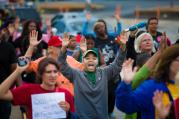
[
  {"x": 163, "y": 68},
  {"x": 89, "y": 36},
  {"x": 42, "y": 66},
  {"x": 151, "y": 18},
  {"x": 72, "y": 36}
]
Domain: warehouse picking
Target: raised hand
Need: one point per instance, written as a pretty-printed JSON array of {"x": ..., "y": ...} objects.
[
  {"x": 163, "y": 42},
  {"x": 33, "y": 38},
  {"x": 162, "y": 110},
  {"x": 66, "y": 40},
  {"x": 83, "y": 45},
  {"x": 127, "y": 71},
  {"x": 122, "y": 40},
  {"x": 123, "y": 37},
  {"x": 88, "y": 16},
  {"x": 132, "y": 33},
  {"x": 117, "y": 13}
]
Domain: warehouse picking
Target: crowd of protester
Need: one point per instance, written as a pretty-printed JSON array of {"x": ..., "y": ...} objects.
[{"x": 136, "y": 71}]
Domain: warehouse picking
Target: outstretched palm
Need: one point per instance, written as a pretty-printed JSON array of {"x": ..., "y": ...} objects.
[
  {"x": 34, "y": 38},
  {"x": 127, "y": 71},
  {"x": 117, "y": 13},
  {"x": 66, "y": 40},
  {"x": 83, "y": 45},
  {"x": 123, "y": 37},
  {"x": 163, "y": 42},
  {"x": 162, "y": 110},
  {"x": 122, "y": 40}
]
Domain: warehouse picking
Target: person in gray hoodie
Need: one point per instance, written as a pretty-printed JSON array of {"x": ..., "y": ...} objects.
[{"x": 90, "y": 85}]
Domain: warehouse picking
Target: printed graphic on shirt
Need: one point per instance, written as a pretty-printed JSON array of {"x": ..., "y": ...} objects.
[{"x": 108, "y": 53}]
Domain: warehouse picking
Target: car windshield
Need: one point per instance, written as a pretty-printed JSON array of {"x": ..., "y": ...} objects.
[
  {"x": 60, "y": 26},
  {"x": 73, "y": 26},
  {"x": 78, "y": 26}
]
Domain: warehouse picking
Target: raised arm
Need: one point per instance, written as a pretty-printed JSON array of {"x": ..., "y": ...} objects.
[
  {"x": 117, "y": 15},
  {"x": 85, "y": 25},
  {"x": 146, "y": 70},
  {"x": 127, "y": 100},
  {"x": 162, "y": 111},
  {"x": 33, "y": 43},
  {"x": 65, "y": 69},
  {"x": 83, "y": 48},
  {"x": 76, "y": 55},
  {"x": 131, "y": 53},
  {"x": 5, "y": 93},
  {"x": 114, "y": 68}
]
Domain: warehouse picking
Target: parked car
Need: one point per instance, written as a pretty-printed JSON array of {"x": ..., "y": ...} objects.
[{"x": 71, "y": 22}]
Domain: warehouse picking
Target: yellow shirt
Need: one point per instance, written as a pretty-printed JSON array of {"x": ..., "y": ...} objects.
[{"x": 174, "y": 91}]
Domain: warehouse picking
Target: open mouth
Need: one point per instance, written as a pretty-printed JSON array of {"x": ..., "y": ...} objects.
[{"x": 91, "y": 65}]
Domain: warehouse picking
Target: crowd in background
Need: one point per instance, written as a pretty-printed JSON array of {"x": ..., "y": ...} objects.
[{"x": 136, "y": 71}]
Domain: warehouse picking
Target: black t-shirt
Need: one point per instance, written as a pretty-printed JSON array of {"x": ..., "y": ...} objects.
[
  {"x": 7, "y": 57},
  {"x": 23, "y": 43},
  {"x": 156, "y": 42},
  {"x": 108, "y": 48},
  {"x": 157, "y": 35}
]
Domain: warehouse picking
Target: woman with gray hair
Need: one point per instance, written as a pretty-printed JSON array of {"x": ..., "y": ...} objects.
[
  {"x": 139, "y": 42},
  {"x": 144, "y": 43},
  {"x": 140, "y": 99}
]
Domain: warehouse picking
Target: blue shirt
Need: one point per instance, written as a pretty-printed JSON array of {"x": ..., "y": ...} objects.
[{"x": 139, "y": 100}]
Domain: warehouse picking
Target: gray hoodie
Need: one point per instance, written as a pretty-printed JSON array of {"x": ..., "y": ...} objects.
[{"x": 91, "y": 101}]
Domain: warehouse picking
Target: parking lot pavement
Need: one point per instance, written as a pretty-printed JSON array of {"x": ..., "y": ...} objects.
[{"x": 15, "y": 113}]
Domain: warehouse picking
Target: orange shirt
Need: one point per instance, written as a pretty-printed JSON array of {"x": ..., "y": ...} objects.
[{"x": 62, "y": 81}]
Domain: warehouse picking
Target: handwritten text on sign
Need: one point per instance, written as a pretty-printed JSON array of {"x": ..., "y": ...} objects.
[{"x": 45, "y": 106}]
